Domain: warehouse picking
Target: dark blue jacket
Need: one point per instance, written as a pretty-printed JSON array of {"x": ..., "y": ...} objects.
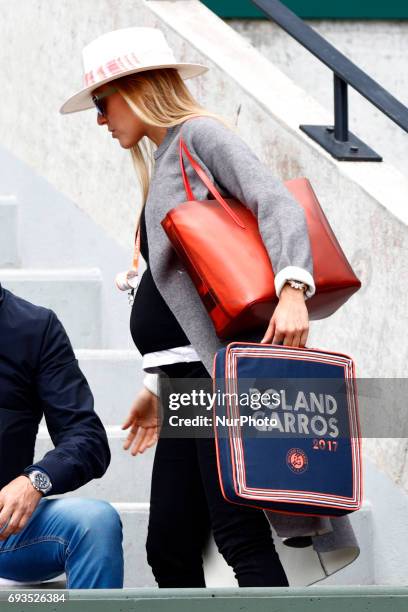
[{"x": 39, "y": 375}]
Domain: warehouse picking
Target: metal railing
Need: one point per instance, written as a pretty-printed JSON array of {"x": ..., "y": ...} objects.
[{"x": 337, "y": 139}]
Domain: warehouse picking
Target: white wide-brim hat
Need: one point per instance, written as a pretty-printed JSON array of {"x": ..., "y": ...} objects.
[{"x": 124, "y": 52}]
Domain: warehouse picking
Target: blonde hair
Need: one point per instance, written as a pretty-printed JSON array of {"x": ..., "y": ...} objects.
[{"x": 160, "y": 98}]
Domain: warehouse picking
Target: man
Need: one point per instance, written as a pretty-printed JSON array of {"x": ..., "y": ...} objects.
[{"x": 42, "y": 538}]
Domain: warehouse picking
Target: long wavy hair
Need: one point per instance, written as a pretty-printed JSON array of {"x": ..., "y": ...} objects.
[{"x": 158, "y": 97}]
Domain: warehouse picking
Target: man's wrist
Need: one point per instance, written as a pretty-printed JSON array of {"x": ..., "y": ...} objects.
[
  {"x": 39, "y": 479},
  {"x": 31, "y": 488}
]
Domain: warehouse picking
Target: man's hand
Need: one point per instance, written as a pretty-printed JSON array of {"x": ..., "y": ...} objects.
[
  {"x": 18, "y": 500},
  {"x": 143, "y": 420},
  {"x": 289, "y": 324}
]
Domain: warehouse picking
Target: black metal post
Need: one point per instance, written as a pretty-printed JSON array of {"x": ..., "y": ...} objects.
[
  {"x": 340, "y": 109},
  {"x": 337, "y": 139}
]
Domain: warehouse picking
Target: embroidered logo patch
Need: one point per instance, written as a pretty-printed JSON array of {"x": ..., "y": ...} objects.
[{"x": 297, "y": 460}]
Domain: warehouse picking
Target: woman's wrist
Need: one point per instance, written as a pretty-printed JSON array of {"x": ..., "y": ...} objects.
[
  {"x": 294, "y": 273},
  {"x": 293, "y": 292},
  {"x": 150, "y": 382}
]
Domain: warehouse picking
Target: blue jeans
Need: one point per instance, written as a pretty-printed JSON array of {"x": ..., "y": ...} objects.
[{"x": 81, "y": 537}]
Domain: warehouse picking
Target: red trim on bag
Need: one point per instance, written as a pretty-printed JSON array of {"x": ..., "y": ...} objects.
[{"x": 217, "y": 450}]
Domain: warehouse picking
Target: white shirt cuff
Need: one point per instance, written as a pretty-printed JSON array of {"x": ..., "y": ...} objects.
[
  {"x": 151, "y": 382},
  {"x": 298, "y": 274}
]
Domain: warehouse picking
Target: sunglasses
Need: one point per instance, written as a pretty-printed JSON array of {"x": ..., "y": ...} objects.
[{"x": 100, "y": 102}]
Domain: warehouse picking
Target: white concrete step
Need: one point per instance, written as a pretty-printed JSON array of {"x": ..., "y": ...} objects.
[
  {"x": 55, "y": 234},
  {"x": 8, "y": 231},
  {"x": 362, "y": 571},
  {"x": 126, "y": 484},
  {"x": 134, "y": 517},
  {"x": 74, "y": 294},
  {"x": 127, "y": 479},
  {"x": 115, "y": 377},
  {"x": 218, "y": 574}
]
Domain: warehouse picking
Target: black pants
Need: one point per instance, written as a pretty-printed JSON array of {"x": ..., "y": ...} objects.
[{"x": 186, "y": 503}]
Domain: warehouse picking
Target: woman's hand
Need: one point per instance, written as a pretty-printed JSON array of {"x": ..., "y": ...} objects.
[
  {"x": 289, "y": 324},
  {"x": 143, "y": 420}
]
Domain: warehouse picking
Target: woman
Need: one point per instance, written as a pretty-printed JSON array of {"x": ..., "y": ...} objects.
[{"x": 137, "y": 86}]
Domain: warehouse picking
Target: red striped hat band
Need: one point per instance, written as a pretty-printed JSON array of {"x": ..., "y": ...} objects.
[{"x": 112, "y": 68}]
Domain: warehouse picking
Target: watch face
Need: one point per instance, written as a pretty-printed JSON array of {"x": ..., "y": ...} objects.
[{"x": 41, "y": 481}]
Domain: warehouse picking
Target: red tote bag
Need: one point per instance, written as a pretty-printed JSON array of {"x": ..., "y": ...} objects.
[{"x": 220, "y": 245}]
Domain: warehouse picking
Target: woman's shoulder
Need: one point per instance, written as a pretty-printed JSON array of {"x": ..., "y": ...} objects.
[
  {"x": 204, "y": 125},
  {"x": 203, "y": 132}
]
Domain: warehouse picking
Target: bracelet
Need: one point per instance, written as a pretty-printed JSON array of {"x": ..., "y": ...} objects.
[{"x": 297, "y": 285}]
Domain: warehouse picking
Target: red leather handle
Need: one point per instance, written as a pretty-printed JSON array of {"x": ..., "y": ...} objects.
[
  {"x": 187, "y": 187},
  {"x": 211, "y": 188}
]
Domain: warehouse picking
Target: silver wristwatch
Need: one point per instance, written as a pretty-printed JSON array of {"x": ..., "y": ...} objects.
[{"x": 40, "y": 481}]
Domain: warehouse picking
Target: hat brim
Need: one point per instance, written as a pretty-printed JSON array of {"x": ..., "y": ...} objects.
[{"x": 82, "y": 100}]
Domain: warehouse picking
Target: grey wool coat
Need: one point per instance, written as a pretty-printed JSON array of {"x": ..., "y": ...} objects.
[{"x": 237, "y": 172}]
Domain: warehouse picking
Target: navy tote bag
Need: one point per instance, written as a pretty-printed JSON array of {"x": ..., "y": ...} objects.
[{"x": 286, "y": 429}]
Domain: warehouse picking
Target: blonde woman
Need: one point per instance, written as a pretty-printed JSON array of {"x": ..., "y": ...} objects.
[{"x": 138, "y": 88}]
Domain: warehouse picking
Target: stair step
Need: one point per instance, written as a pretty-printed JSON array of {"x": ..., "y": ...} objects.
[
  {"x": 127, "y": 478},
  {"x": 134, "y": 517},
  {"x": 127, "y": 481},
  {"x": 255, "y": 599},
  {"x": 138, "y": 573},
  {"x": 115, "y": 377},
  {"x": 74, "y": 295},
  {"x": 8, "y": 231},
  {"x": 219, "y": 574},
  {"x": 127, "y": 485}
]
